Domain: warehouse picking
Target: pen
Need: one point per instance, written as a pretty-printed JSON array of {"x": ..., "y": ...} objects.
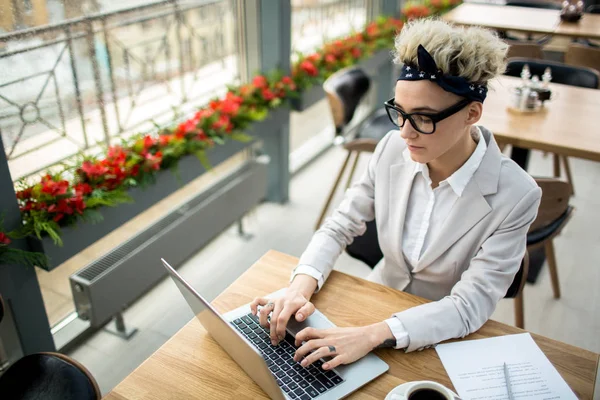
[{"x": 510, "y": 395}]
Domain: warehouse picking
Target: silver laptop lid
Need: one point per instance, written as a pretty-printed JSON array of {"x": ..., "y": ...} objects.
[{"x": 238, "y": 348}]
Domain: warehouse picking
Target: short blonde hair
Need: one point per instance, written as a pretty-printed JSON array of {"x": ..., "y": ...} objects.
[{"x": 475, "y": 54}]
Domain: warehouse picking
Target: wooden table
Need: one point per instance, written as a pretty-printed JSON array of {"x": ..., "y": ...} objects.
[
  {"x": 184, "y": 368},
  {"x": 504, "y": 18},
  {"x": 588, "y": 27},
  {"x": 523, "y": 19},
  {"x": 568, "y": 124}
]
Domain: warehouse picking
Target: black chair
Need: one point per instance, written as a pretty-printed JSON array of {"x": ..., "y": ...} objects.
[
  {"x": 366, "y": 249},
  {"x": 345, "y": 90},
  {"x": 593, "y": 9},
  {"x": 546, "y": 5},
  {"x": 48, "y": 376},
  {"x": 561, "y": 73}
]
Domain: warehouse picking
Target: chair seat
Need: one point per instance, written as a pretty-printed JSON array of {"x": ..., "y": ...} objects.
[
  {"x": 376, "y": 126},
  {"x": 541, "y": 234},
  {"x": 48, "y": 377}
]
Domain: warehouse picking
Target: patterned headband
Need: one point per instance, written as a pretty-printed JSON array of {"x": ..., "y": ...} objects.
[{"x": 427, "y": 69}]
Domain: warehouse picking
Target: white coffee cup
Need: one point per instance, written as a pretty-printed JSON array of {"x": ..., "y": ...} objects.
[{"x": 411, "y": 389}]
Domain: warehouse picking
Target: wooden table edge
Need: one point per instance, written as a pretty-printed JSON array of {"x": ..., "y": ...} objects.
[{"x": 595, "y": 387}]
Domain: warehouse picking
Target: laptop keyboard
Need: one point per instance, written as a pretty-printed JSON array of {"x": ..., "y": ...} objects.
[{"x": 298, "y": 382}]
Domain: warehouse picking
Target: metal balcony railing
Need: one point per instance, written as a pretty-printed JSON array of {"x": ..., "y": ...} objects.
[
  {"x": 71, "y": 87},
  {"x": 317, "y": 21}
]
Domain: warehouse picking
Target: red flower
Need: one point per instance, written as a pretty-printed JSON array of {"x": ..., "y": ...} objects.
[
  {"x": 372, "y": 29},
  {"x": 81, "y": 189},
  {"x": 309, "y": 68},
  {"x": 94, "y": 170},
  {"x": 54, "y": 188},
  {"x": 359, "y": 37},
  {"x": 77, "y": 204},
  {"x": 315, "y": 57},
  {"x": 186, "y": 127},
  {"x": 4, "y": 239},
  {"x": 201, "y": 135},
  {"x": 260, "y": 82},
  {"x": 231, "y": 107},
  {"x": 289, "y": 82},
  {"x": 24, "y": 194},
  {"x": 330, "y": 59},
  {"x": 224, "y": 123},
  {"x": 230, "y": 96},
  {"x": 268, "y": 94},
  {"x": 116, "y": 154},
  {"x": 153, "y": 160},
  {"x": 356, "y": 53},
  {"x": 205, "y": 113},
  {"x": 164, "y": 140},
  {"x": 149, "y": 141},
  {"x": 60, "y": 209},
  {"x": 214, "y": 104},
  {"x": 135, "y": 170},
  {"x": 247, "y": 90}
]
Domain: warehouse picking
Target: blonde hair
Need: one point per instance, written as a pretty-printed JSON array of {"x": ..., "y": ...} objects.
[{"x": 475, "y": 54}]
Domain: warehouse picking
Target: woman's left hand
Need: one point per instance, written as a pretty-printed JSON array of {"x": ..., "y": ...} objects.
[{"x": 344, "y": 345}]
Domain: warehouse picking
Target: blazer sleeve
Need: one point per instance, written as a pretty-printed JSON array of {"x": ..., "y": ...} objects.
[
  {"x": 348, "y": 220},
  {"x": 473, "y": 299}
]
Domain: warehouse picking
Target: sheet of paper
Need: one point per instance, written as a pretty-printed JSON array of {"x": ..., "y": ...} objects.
[{"x": 476, "y": 368}]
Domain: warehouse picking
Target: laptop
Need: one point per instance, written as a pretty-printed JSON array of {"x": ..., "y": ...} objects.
[{"x": 273, "y": 367}]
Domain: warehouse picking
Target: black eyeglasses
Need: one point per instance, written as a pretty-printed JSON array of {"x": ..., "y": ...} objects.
[{"x": 422, "y": 122}]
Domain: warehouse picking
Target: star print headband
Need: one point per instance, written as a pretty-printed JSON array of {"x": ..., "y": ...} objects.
[{"x": 427, "y": 69}]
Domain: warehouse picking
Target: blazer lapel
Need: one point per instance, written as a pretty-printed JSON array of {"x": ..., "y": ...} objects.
[
  {"x": 471, "y": 207},
  {"x": 467, "y": 211}
]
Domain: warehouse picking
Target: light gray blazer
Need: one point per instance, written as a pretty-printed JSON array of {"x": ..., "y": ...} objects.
[{"x": 467, "y": 268}]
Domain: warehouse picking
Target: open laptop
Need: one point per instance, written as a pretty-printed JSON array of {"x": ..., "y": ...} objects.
[{"x": 273, "y": 367}]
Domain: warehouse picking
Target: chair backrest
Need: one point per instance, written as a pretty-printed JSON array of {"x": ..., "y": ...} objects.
[
  {"x": 583, "y": 56},
  {"x": 366, "y": 247},
  {"x": 548, "y": 5},
  {"x": 524, "y": 49},
  {"x": 593, "y": 9},
  {"x": 49, "y": 376},
  {"x": 561, "y": 73},
  {"x": 345, "y": 90},
  {"x": 554, "y": 202}
]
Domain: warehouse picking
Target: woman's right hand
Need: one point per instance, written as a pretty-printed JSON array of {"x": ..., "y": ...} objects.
[{"x": 295, "y": 301}]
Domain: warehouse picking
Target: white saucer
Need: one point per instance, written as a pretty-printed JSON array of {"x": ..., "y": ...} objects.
[{"x": 400, "y": 390}]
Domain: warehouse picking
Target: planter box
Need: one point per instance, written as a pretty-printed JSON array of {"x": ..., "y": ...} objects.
[
  {"x": 82, "y": 235},
  {"x": 308, "y": 98},
  {"x": 371, "y": 65}
]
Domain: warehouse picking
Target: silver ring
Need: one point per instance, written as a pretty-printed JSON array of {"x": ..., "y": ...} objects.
[
  {"x": 269, "y": 304},
  {"x": 331, "y": 349}
]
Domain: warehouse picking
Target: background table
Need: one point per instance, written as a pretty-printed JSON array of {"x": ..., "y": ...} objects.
[
  {"x": 588, "y": 27},
  {"x": 568, "y": 125},
  {"x": 192, "y": 366},
  {"x": 504, "y": 18}
]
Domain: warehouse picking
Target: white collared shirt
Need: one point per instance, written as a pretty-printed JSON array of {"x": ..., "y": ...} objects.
[{"x": 426, "y": 212}]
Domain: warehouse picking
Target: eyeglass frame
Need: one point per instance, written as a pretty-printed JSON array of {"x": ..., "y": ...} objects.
[{"x": 435, "y": 117}]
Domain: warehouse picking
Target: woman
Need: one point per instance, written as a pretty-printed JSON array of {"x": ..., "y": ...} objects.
[{"x": 452, "y": 213}]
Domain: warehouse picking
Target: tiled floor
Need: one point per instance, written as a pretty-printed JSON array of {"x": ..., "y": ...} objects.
[{"x": 574, "y": 319}]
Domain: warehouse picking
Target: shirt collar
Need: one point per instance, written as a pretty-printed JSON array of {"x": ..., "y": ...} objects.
[{"x": 460, "y": 178}]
